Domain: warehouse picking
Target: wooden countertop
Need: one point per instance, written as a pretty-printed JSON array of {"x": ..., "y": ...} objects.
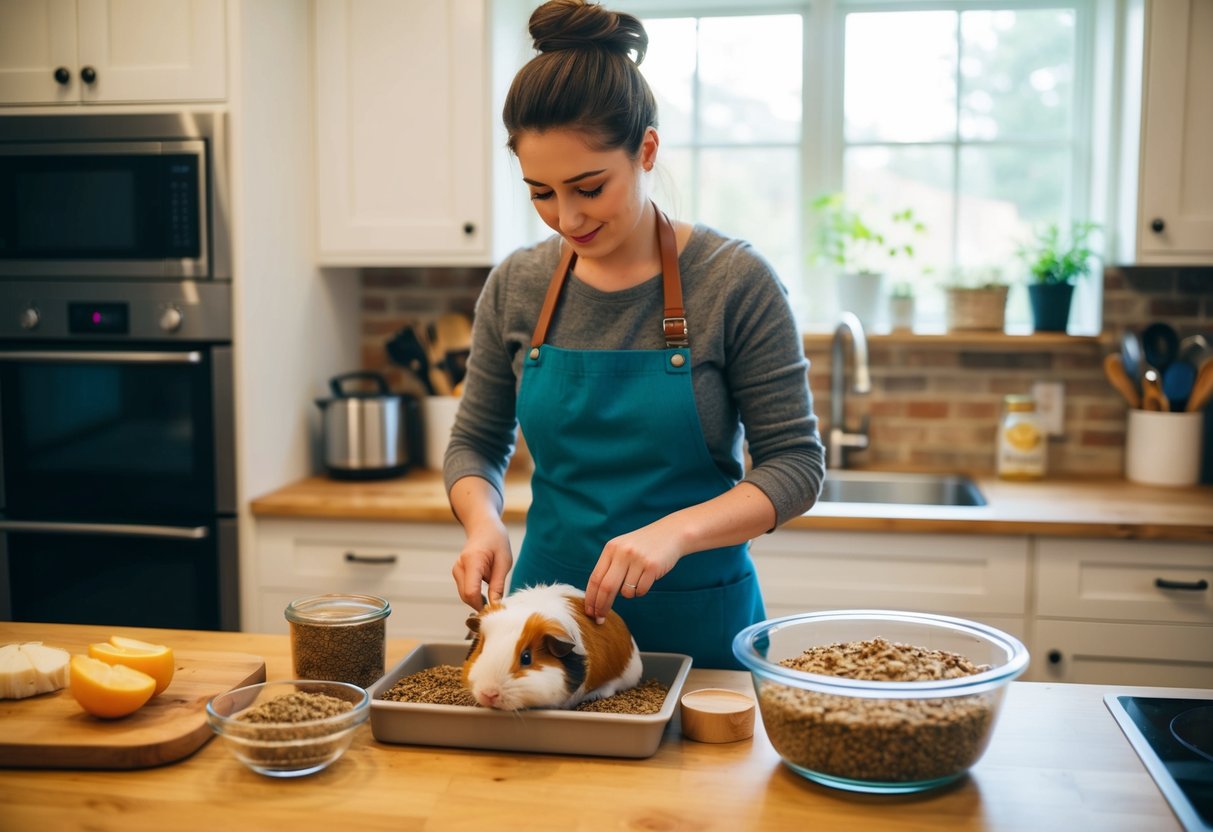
[
  {"x": 1057, "y": 760},
  {"x": 1065, "y": 507}
]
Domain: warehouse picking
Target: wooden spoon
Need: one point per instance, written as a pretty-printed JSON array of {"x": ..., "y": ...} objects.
[
  {"x": 1114, "y": 369},
  {"x": 1202, "y": 388},
  {"x": 1152, "y": 397}
]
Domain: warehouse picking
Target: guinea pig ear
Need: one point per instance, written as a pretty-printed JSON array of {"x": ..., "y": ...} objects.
[{"x": 558, "y": 647}]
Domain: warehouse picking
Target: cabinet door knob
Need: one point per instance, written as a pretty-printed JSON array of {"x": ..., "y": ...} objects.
[
  {"x": 88, "y": 75},
  {"x": 62, "y": 76},
  {"x": 1157, "y": 225},
  {"x": 1054, "y": 657},
  {"x": 469, "y": 228}
]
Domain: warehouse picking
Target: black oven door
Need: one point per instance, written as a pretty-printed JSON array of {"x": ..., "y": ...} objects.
[
  {"x": 181, "y": 577},
  {"x": 116, "y": 435}
]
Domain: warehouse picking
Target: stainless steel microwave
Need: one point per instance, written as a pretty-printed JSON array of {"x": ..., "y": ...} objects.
[{"x": 114, "y": 196}]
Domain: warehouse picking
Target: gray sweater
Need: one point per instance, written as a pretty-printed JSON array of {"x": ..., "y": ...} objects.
[{"x": 749, "y": 370}]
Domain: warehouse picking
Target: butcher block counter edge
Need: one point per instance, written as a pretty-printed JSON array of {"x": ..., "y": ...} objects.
[
  {"x": 1057, "y": 760},
  {"x": 1057, "y": 507}
]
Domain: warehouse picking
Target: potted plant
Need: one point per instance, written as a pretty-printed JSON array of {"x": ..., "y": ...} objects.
[
  {"x": 901, "y": 305},
  {"x": 861, "y": 250},
  {"x": 1054, "y": 266},
  {"x": 976, "y": 299}
]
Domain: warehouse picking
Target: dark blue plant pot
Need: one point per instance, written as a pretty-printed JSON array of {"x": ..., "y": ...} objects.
[{"x": 1050, "y": 306}]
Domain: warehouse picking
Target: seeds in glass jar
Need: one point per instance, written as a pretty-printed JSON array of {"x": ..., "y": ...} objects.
[
  {"x": 884, "y": 740},
  {"x": 351, "y": 653}
]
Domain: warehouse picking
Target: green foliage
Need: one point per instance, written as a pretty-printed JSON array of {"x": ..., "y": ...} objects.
[
  {"x": 1052, "y": 259},
  {"x": 846, "y": 239}
]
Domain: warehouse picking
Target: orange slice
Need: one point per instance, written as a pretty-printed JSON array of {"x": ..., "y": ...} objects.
[
  {"x": 155, "y": 660},
  {"x": 109, "y": 690}
]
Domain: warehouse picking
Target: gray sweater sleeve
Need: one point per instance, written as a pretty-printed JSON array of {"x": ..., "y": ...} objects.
[{"x": 749, "y": 371}]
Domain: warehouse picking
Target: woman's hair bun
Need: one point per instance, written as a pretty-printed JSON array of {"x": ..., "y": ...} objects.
[{"x": 576, "y": 24}]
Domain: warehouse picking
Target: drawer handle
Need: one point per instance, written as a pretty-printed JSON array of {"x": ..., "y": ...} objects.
[
  {"x": 1195, "y": 586},
  {"x": 354, "y": 557}
]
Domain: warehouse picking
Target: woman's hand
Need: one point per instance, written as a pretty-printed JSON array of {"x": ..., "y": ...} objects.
[
  {"x": 486, "y": 558},
  {"x": 487, "y": 555},
  {"x": 629, "y": 566}
]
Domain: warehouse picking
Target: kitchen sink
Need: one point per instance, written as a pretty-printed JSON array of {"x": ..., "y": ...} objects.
[{"x": 901, "y": 489}]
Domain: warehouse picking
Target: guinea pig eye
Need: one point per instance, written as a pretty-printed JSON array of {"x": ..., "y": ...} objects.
[{"x": 525, "y": 658}]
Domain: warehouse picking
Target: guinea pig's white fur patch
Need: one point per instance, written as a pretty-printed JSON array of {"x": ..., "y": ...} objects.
[{"x": 537, "y": 649}]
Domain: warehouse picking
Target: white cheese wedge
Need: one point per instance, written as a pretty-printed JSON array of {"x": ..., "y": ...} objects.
[{"x": 32, "y": 668}]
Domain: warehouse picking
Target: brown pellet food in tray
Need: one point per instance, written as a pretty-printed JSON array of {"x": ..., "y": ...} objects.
[
  {"x": 884, "y": 740},
  {"x": 443, "y": 685}
]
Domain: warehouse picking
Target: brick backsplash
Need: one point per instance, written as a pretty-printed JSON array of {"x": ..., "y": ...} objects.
[{"x": 935, "y": 403}]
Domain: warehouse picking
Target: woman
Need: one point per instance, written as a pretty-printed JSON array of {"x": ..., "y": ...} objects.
[{"x": 633, "y": 352}]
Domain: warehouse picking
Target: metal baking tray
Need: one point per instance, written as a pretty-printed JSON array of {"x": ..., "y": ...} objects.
[{"x": 540, "y": 730}]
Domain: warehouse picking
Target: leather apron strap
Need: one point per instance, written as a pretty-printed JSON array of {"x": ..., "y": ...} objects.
[{"x": 673, "y": 322}]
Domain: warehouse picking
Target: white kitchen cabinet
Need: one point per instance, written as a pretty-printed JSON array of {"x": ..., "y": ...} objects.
[
  {"x": 133, "y": 52},
  {"x": 1123, "y": 612},
  {"x": 406, "y": 133},
  {"x": 409, "y": 564},
  {"x": 980, "y": 577},
  {"x": 1175, "y": 198}
]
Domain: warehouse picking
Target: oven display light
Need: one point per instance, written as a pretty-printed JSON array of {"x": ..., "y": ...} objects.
[{"x": 104, "y": 318}]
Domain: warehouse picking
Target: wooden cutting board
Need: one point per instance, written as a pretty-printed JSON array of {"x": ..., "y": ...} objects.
[{"x": 53, "y": 731}]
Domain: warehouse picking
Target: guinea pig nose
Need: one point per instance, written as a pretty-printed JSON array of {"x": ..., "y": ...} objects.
[{"x": 488, "y": 698}]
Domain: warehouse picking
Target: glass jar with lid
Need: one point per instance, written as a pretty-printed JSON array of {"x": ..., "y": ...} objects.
[
  {"x": 339, "y": 637},
  {"x": 1021, "y": 440}
]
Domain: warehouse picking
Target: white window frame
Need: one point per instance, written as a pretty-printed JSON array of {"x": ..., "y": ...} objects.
[{"x": 1101, "y": 27}]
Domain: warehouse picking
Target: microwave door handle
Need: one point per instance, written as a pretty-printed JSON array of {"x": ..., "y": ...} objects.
[
  {"x": 107, "y": 529},
  {"x": 85, "y": 357}
]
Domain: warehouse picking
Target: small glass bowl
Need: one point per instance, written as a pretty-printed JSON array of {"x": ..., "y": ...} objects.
[
  {"x": 287, "y": 749},
  {"x": 877, "y": 736}
]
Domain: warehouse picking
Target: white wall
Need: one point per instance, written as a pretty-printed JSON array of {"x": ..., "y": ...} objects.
[{"x": 295, "y": 326}]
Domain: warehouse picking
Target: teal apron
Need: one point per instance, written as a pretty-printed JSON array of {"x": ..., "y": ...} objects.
[{"x": 617, "y": 444}]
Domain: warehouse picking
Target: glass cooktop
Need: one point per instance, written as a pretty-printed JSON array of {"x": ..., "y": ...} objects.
[{"x": 1184, "y": 775}]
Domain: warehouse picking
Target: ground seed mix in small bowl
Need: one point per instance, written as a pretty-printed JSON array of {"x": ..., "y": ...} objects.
[
  {"x": 443, "y": 685},
  {"x": 291, "y": 728}
]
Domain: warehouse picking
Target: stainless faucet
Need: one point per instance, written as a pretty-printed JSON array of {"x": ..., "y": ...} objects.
[{"x": 840, "y": 438}]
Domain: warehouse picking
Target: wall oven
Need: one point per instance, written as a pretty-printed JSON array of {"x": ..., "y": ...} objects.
[{"x": 117, "y": 425}]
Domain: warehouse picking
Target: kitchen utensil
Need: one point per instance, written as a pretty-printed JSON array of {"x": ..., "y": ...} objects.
[
  {"x": 882, "y": 749},
  {"x": 1194, "y": 350},
  {"x": 1131, "y": 357},
  {"x": 407, "y": 350},
  {"x": 1159, "y": 345},
  {"x": 440, "y": 381},
  {"x": 52, "y": 731},
  {"x": 1114, "y": 369},
  {"x": 1152, "y": 396},
  {"x": 456, "y": 365},
  {"x": 368, "y": 435},
  {"x": 296, "y": 749},
  {"x": 1177, "y": 383},
  {"x": 1202, "y": 388}
]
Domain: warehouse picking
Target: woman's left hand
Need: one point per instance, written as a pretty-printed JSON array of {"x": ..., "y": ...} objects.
[{"x": 629, "y": 566}]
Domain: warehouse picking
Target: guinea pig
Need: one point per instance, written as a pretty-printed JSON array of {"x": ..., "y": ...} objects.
[{"x": 537, "y": 648}]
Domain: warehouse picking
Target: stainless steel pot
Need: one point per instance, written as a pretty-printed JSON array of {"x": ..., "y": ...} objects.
[{"x": 368, "y": 435}]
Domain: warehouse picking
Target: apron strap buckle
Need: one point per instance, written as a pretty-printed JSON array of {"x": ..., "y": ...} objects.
[{"x": 675, "y": 330}]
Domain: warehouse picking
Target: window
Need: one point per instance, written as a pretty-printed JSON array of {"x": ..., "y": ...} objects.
[{"x": 975, "y": 115}]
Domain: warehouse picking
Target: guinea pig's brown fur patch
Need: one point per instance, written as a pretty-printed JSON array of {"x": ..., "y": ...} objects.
[
  {"x": 608, "y": 646},
  {"x": 535, "y": 634}
]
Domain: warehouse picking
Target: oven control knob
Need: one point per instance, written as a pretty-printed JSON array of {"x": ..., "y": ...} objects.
[
  {"x": 171, "y": 318},
  {"x": 30, "y": 318}
]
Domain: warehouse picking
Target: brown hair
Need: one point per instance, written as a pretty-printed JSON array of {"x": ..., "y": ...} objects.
[{"x": 583, "y": 77}]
